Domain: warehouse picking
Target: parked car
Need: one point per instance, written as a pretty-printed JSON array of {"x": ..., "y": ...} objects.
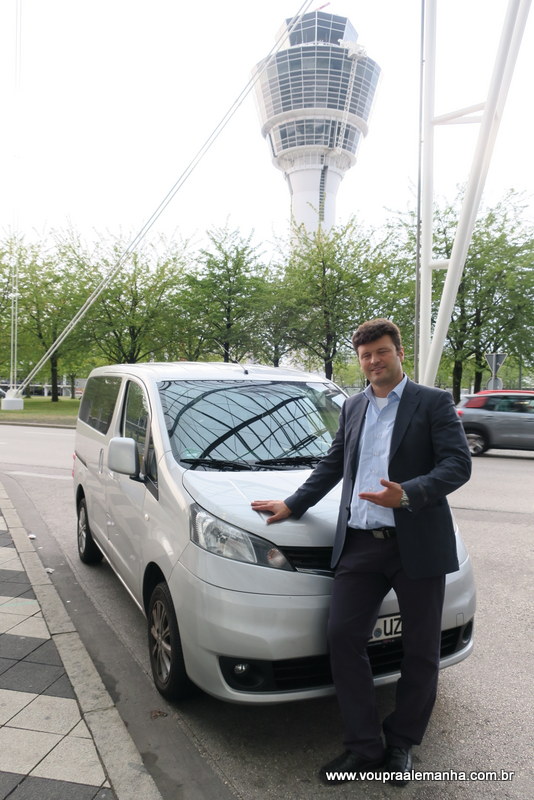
[
  {"x": 168, "y": 458},
  {"x": 498, "y": 418}
]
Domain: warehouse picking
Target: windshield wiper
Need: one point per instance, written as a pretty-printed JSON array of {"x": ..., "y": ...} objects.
[
  {"x": 289, "y": 460},
  {"x": 217, "y": 463}
]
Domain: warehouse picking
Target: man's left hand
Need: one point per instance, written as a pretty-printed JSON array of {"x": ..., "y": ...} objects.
[{"x": 389, "y": 497}]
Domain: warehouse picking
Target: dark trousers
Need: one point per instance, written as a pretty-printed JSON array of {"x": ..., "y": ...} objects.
[{"x": 367, "y": 570}]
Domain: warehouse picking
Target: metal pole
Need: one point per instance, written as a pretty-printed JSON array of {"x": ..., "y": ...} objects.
[
  {"x": 419, "y": 201},
  {"x": 429, "y": 80},
  {"x": 13, "y": 369}
]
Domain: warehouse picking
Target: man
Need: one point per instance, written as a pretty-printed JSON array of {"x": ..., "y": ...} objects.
[{"x": 400, "y": 449}]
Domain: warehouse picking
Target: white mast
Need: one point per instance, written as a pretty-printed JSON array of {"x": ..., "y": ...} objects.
[{"x": 512, "y": 32}]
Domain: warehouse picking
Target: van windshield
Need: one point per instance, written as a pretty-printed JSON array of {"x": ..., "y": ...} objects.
[{"x": 250, "y": 424}]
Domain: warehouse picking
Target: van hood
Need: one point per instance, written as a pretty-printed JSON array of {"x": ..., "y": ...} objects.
[{"x": 229, "y": 495}]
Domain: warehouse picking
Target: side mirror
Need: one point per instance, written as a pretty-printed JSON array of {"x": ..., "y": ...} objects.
[{"x": 123, "y": 456}]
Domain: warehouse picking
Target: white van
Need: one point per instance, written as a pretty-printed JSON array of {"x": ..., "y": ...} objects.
[{"x": 168, "y": 459}]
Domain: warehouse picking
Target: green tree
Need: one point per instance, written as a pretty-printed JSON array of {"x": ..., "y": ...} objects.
[
  {"x": 8, "y": 253},
  {"x": 494, "y": 307},
  {"x": 51, "y": 291},
  {"x": 338, "y": 279},
  {"x": 277, "y": 319},
  {"x": 129, "y": 322},
  {"x": 227, "y": 286}
]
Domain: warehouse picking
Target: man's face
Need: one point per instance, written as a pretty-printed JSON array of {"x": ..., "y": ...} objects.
[{"x": 382, "y": 364}]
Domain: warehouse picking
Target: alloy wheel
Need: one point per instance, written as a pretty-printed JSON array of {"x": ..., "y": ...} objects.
[{"x": 161, "y": 641}]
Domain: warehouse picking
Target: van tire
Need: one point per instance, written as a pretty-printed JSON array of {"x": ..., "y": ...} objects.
[
  {"x": 88, "y": 550},
  {"x": 165, "y": 647}
]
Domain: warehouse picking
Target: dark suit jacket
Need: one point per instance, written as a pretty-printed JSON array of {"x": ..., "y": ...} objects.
[{"x": 429, "y": 457}]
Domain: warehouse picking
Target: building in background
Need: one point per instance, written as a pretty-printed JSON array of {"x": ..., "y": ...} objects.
[{"x": 314, "y": 98}]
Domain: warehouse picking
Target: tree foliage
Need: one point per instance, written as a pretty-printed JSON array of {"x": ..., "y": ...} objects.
[
  {"x": 228, "y": 283},
  {"x": 130, "y": 321},
  {"x": 329, "y": 276},
  {"x": 494, "y": 307},
  {"x": 51, "y": 292},
  {"x": 169, "y": 302}
]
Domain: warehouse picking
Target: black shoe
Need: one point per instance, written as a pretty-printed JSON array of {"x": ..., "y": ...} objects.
[
  {"x": 398, "y": 760},
  {"x": 347, "y": 762}
]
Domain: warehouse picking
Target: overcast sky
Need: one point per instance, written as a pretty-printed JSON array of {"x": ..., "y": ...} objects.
[{"x": 116, "y": 96}]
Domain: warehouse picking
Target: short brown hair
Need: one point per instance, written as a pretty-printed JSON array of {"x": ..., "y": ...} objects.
[{"x": 374, "y": 329}]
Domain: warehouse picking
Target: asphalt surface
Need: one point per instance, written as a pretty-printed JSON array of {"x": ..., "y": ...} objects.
[{"x": 206, "y": 748}]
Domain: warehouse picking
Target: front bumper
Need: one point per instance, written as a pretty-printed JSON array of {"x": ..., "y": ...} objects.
[{"x": 253, "y": 647}]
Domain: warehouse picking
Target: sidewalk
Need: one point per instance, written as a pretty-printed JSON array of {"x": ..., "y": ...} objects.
[{"x": 61, "y": 738}]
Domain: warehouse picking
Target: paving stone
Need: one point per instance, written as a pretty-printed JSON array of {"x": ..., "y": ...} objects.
[
  {"x": 13, "y": 589},
  {"x": 5, "y": 663},
  {"x": 60, "y": 688},
  {"x": 12, "y": 703},
  {"x": 19, "y": 646},
  {"x": 27, "y": 677},
  {"x": 14, "y": 576},
  {"x": 19, "y": 605},
  {"x": 8, "y": 781},
  {"x": 9, "y": 559},
  {"x": 10, "y": 621},
  {"x": 81, "y": 730},
  {"x": 45, "y": 789},
  {"x": 74, "y": 760},
  {"x": 104, "y": 794},
  {"x": 45, "y": 653},
  {"x": 23, "y": 750},
  {"x": 41, "y": 730},
  {"x": 32, "y": 626},
  {"x": 44, "y": 713}
]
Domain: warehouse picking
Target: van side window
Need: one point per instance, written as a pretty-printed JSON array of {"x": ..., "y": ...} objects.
[
  {"x": 98, "y": 402},
  {"x": 135, "y": 426}
]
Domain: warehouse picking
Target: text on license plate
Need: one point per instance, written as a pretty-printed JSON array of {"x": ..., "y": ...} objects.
[{"x": 386, "y": 628}]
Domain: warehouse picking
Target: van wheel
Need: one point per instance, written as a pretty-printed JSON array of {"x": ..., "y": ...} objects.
[
  {"x": 477, "y": 443},
  {"x": 87, "y": 549},
  {"x": 165, "y": 647}
]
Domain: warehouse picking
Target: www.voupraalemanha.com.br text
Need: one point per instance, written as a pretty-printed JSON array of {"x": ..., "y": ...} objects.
[{"x": 426, "y": 775}]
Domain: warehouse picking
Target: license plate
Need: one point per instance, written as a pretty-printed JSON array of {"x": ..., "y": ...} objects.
[{"x": 386, "y": 628}]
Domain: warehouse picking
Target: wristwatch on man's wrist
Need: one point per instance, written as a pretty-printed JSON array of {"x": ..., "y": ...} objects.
[{"x": 405, "y": 500}]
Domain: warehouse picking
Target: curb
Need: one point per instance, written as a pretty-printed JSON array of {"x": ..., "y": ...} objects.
[{"x": 122, "y": 762}]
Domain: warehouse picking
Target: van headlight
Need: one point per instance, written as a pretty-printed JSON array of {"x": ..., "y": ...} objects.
[{"x": 222, "y": 539}]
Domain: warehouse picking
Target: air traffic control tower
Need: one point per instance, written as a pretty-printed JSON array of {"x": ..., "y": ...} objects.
[{"x": 314, "y": 100}]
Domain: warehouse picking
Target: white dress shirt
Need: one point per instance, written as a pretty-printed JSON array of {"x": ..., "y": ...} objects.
[{"x": 373, "y": 458}]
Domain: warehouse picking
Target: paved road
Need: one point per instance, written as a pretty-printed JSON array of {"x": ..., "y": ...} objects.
[{"x": 482, "y": 720}]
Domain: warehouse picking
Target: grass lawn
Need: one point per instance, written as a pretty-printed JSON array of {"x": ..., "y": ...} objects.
[{"x": 42, "y": 411}]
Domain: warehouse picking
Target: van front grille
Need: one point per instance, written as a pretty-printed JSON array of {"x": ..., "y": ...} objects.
[{"x": 309, "y": 559}]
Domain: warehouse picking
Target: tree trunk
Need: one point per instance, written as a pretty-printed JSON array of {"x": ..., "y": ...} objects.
[
  {"x": 54, "y": 377},
  {"x": 457, "y": 372}
]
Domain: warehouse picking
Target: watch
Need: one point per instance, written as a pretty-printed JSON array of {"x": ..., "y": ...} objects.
[{"x": 405, "y": 500}]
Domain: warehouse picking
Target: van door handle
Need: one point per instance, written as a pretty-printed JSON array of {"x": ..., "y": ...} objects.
[{"x": 101, "y": 461}]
